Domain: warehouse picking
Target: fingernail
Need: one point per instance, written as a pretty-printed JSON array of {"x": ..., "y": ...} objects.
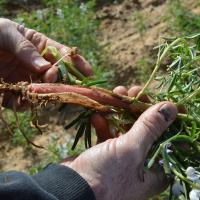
[
  {"x": 41, "y": 62},
  {"x": 168, "y": 111},
  {"x": 50, "y": 78},
  {"x": 53, "y": 79}
]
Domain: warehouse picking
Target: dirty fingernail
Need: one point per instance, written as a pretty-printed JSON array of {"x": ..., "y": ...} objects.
[
  {"x": 50, "y": 76},
  {"x": 169, "y": 111}
]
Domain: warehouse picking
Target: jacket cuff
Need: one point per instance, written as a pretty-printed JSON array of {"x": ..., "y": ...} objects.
[{"x": 64, "y": 183}]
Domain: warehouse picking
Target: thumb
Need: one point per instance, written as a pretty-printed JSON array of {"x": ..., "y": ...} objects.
[
  {"x": 22, "y": 48},
  {"x": 149, "y": 127},
  {"x": 27, "y": 53}
]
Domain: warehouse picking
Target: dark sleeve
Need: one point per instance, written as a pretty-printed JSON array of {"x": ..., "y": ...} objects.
[{"x": 55, "y": 182}]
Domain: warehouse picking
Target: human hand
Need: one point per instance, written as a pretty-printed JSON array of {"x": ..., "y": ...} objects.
[
  {"x": 115, "y": 168},
  {"x": 20, "y": 58},
  {"x": 102, "y": 127}
]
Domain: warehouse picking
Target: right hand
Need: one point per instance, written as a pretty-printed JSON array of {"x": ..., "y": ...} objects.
[{"x": 115, "y": 168}]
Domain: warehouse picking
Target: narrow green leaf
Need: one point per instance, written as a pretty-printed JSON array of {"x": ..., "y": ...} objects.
[
  {"x": 79, "y": 134},
  {"x": 98, "y": 82},
  {"x": 63, "y": 73},
  {"x": 185, "y": 190},
  {"x": 171, "y": 83},
  {"x": 194, "y": 129},
  {"x": 72, "y": 69},
  {"x": 75, "y": 121},
  {"x": 169, "y": 38},
  {"x": 166, "y": 165},
  {"x": 192, "y": 36},
  {"x": 175, "y": 62},
  {"x": 88, "y": 136}
]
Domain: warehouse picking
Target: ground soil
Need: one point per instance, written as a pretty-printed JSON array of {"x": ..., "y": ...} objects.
[
  {"x": 125, "y": 46},
  {"x": 122, "y": 37}
]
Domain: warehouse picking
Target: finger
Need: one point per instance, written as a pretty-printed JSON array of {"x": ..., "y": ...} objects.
[
  {"x": 133, "y": 92},
  {"x": 23, "y": 49},
  {"x": 82, "y": 65},
  {"x": 51, "y": 75},
  {"x": 38, "y": 40},
  {"x": 78, "y": 60},
  {"x": 102, "y": 127},
  {"x": 41, "y": 42},
  {"x": 150, "y": 126},
  {"x": 120, "y": 90},
  {"x": 155, "y": 181}
]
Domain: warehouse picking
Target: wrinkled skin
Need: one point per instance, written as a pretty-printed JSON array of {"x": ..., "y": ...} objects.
[
  {"x": 20, "y": 58},
  {"x": 115, "y": 168}
]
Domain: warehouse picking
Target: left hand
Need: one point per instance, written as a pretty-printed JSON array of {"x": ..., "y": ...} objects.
[{"x": 20, "y": 58}]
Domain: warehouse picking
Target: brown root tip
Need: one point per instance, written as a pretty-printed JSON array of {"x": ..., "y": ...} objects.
[{"x": 74, "y": 51}]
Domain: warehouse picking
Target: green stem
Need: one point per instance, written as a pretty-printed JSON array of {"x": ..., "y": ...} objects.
[
  {"x": 152, "y": 160},
  {"x": 74, "y": 71},
  {"x": 196, "y": 186},
  {"x": 160, "y": 58},
  {"x": 166, "y": 162},
  {"x": 176, "y": 137},
  {"x": 187, "y": 118},
  {"x": 188, "y": 98}
]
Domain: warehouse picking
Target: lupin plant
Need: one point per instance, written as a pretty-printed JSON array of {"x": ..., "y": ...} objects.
[{"x": 178, "y": 150}]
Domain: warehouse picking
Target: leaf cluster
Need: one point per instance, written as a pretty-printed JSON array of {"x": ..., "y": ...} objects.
[{"x": 181, "y": 85}]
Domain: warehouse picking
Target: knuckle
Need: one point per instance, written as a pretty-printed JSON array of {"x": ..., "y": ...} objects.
[
  {"x": 153, "y": 125},
  {"x": 30, "y": 33},
  {"x": 23, "y": 46},
  {"x": 150, "y": 128},
  {"x": 36, "y": 37}
]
